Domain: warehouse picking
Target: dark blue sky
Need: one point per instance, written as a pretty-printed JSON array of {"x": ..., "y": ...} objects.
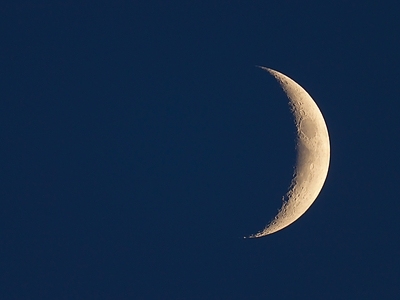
[{"x": 140, "y": 144}]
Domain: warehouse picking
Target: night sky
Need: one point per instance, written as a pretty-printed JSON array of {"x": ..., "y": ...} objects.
[{"x": 140, "y": 144}]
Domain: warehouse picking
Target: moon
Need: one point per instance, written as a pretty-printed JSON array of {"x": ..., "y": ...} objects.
[{"x": 313, "y": 155}]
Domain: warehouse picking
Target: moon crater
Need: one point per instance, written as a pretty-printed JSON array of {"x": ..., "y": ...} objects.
[{"x": 308, "y": 128}]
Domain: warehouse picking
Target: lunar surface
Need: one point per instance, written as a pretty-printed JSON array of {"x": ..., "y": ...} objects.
[{"x": 313, "y": 154}]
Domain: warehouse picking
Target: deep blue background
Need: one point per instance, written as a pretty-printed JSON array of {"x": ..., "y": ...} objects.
[{"x": 140, "y": 144}]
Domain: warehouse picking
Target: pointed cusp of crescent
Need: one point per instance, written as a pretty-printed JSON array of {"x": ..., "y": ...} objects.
[{"x": 313, "y": 155}]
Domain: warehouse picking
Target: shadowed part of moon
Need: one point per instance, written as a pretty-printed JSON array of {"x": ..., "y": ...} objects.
[{"x": 313, "y": 155}]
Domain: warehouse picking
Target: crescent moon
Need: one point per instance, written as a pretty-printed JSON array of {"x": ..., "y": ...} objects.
[{"x": 313, "y": 155}]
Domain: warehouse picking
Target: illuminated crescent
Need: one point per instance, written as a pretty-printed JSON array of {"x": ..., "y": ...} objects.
[{"x": 313, "y": 154}]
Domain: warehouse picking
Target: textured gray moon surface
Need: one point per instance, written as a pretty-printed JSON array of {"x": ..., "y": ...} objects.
[{"x": 313, "y": 154}]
